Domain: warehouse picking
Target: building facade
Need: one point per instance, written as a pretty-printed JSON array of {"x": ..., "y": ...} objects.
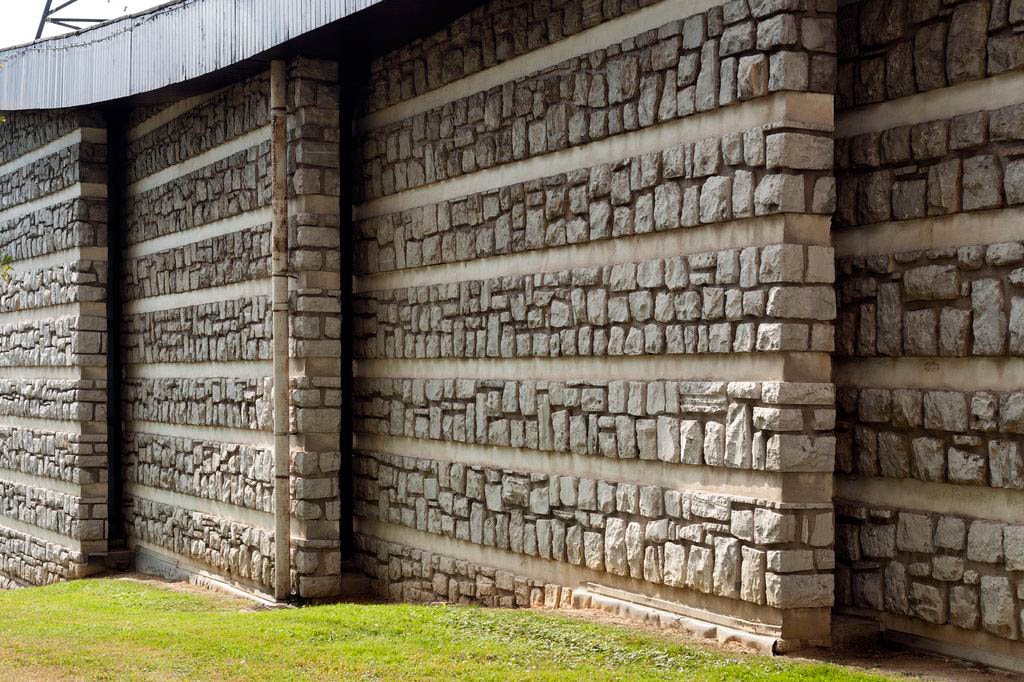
[{"x": 707, "y": 310}]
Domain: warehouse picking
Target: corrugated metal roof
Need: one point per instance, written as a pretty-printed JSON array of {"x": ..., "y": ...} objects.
[{"x": 143, "y": 52}]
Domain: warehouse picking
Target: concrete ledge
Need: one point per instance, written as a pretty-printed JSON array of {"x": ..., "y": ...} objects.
[
  {"x": 81, "y": 190},
  {"x": 792, "y": 228},
  {"x": 936, "y": 232},
  {"x": 218, "y": 228},
  {"x": 761, "y": 620},
  {"x": 60, "y": 258},
  {"x": 592, "y": 597},
  {"x": 800, "y": 367},
  {"x": 77, "y": 136},
  {"x": 785, "y": 109},
  {"x": 803, "y": 489},
  {"x": 43, "y": 534},
  {"x": 53, "y": 425},
  {"x": 47, "y": 483},
  {"x": 51, "y": 312},
  {"x": 223, "y": 510},
  {"x": 242, "y": 369},
  {"x": 961, "y": 374},
  {"x": 989, "y": 93},
  {"x": 992, "y": 504},
  {"x": 153, "y": 560},
  {"x": 579, "y": 44},
  {"x": 947, "y": 640},
  {"x": 214, "y": 434},
  {"x": 167, "y": 115},
  {"x": 57, "y": 373},
  {"x": 251, "y": 139},
  {"x": 227, "y": 292}
]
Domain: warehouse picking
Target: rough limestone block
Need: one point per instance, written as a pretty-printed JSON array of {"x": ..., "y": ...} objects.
[
  {"x": 726, "y": 578},
  {"x": 674, "y": 571},
  {"x": 800, "y": 453},
  {"x": 799, "y": 151},
  {"x": 752, "y": 575},
  {"x": 779, "y": 193},
  {"x": 966, "y": 47},
  {"x": 982, "y": 183},
  {"x": 963, "y": 607},
  {"x": 914, "y": 533},
  {"x": 998, "y": 613},
  {"x": 799, "y": 591},
  {"x": 928, "y": 602},
  {"x": 985, "y": 542},
  {"x": 988, "y": 320}
]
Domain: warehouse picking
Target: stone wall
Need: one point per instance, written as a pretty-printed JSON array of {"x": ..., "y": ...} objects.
[
  {"x": 603, "y": 257},
  {"x": 196, "y": 335},
  {"x": 594, "y": 310},
  {"x": 198, "y": 340},
  {"x": 931, "y": 323},
  {"x": 53, "y": 345}
]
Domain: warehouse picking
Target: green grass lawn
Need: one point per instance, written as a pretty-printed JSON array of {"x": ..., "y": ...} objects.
[{"x": 121, "y": 629}]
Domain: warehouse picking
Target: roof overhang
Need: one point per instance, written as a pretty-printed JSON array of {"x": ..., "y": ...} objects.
[{"x": 201, "y": 42}]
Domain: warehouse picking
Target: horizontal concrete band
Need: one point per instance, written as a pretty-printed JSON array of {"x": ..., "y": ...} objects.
[
  {"x": 77, "y": 136},
  {"x": 42, "y": 483},
  {"x": 799, "y": 489},
  {"x": 213, "y": 434},
  {"x": 945, "y": 640},
  {"x": 960, "y": 374},
  {"x": 251, "y": 139},
  {"x": 790, "y": 228},
  {"x": 79, "y": 190},
  {"x": 48, "y": 313},
  {"x": 227, "y": 292},
  {"x": 992, "y": 504},
  {"x": 218, "y": 228},
  {"x": 804, "y": 367},
  {"x": 56, "y": 373},
  {"x": 713, "y": 609},
  {"x": 53, "y": 425},
  {"x": 151, "y": 559},
  {"x": 936, "y": 232},
  {"x": 221, "y": 510},
  {"x": 40, "y": 533},
  {"x": 242, "y": 369},
  {"x": 784, "y": 109},
  {"x": 963, "y": 98},
  {"x": 577, "y": 45},
  {"x": 165, "y": 116},
  {"x": 59, "y": 258}
]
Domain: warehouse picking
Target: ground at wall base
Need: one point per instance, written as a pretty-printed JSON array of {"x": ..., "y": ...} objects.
[{"x": 215, "y": 633}]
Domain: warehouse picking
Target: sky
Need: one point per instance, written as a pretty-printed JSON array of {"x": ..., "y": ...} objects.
[{"x": 20, "y": 18}]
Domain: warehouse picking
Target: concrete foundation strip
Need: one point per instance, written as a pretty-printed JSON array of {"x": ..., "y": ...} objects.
[{"x": 593, "y": 596}]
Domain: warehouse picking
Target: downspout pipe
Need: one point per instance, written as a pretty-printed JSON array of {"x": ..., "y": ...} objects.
[{"x": 279, "y": 280}]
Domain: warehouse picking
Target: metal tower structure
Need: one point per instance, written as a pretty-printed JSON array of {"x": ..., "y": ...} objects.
[{"x": 74, "y": 23}]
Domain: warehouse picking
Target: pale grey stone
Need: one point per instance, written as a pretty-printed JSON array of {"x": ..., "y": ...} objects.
[
  {"x": 982, "y": 183},
  {"x": 928, "y": 602},
  {"x": 985, "y": 542},
  {"x": 615, "y": 546},
  {"x": 965, "y": 51},
  {"x": 998, "y": 613},
  {"x": 699, "y": 569},
  {"x": 963, "y": 607},
  {"x": 987, "y": 307},
  {"x": 752, "y": 575},
  {"x": 726, "y": 578},
  {"x": 674, "y": 565}
]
